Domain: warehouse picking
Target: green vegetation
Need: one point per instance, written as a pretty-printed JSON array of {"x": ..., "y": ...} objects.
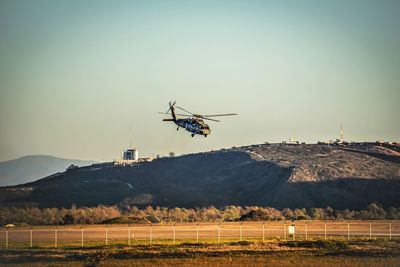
[
  {"x": 126, "y": 214},
  {"x": 54, "y": 216}
]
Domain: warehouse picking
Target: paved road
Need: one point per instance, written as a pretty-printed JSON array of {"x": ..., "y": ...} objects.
[{"x": 193, "y": 232}]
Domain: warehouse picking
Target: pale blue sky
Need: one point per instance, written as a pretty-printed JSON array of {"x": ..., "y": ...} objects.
[{"x": 74, "y": 75}]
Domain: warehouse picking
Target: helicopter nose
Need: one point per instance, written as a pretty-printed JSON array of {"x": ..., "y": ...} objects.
[{"x": 206, "y": 131}]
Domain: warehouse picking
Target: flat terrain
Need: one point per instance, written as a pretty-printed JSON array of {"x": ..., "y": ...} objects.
[
  {"x": 245, "y": 253},
  {"x": 211, "y": 233}
]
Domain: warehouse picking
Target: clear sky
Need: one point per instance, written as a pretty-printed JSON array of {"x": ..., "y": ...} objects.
[{"x": 76, "y": 76}]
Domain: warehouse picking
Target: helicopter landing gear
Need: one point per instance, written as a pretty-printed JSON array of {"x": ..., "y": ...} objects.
[{"x": 192, "y": 135}]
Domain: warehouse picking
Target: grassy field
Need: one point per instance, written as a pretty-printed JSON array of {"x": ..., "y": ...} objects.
[
  {"x": 145, "y": 234},
  {"x": 243, "y": 253}
]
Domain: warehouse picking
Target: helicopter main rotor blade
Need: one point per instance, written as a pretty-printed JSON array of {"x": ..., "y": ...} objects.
[
  {"x": 211, "y": 119},
  {"x": 177, "y": 114},
  {"x": 219, "y": 115},
  {"x": 178, "y": 107}
]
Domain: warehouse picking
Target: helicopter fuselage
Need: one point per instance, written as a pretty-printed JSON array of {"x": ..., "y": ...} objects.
[
  {"x": 194, "y": 123},
  {"x": 195, "y": 126}
]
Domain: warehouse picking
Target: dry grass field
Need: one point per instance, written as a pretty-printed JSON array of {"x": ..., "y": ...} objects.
[
  {"x": 315, "y": 243},
  {"x": 147, "y": 234},
  {"x": 380, "y": 252}
]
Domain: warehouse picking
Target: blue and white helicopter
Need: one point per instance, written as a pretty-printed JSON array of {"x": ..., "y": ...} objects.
[{"x": 193, "y": 123}]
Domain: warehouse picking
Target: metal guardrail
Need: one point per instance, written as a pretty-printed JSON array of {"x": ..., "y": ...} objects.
[{"x": 195, "y": 232}]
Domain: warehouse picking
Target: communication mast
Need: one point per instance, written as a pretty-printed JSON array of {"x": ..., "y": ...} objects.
[{"x": 341, "y": 133}]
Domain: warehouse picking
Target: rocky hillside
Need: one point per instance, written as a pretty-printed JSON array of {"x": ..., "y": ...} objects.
[
  {"x": 315, "y": 163},
  {"x": 269, "y": 175}
]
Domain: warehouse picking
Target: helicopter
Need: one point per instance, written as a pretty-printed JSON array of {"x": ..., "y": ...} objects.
[{"x": 193, "y": 123}]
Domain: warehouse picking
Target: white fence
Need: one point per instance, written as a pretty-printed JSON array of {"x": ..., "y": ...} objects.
[{"x": 191, "y": 232}]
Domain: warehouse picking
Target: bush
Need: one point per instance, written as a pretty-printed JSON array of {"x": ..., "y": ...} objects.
[
  {"x": 241, "y": 243},
  {"x": 319, "y": 244},
  {"x": 72, "y": 167}
]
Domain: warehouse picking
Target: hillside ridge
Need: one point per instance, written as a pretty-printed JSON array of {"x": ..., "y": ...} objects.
[{"x": 280, "y": 176}]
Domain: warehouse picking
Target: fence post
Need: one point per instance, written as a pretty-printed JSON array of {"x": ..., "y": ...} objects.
[
  {"x": 55, "y": 238},
  {"x": 219, "y": 233},
  {"x": 197, "y": 233},
  {"x": 129, "y": 235},
  {"x": 31, "y": 238},
  {"x": 174, "y": 231},
  {"x": 82, "y": 237},
  {"x": 306, "y": 231},
  {"x": 106, "y": 235},
  {"x": 390, "y": 231},
  {"x": 6, "y": 238},
  {"x": 348, "y": 231},
  {"x": 370, "y": 230},
  {"x": 294, "y": 233},
  {"x": 284, "y": 230},
  {"x": 150, "y": 235},
  {"x": 241, "y": 231},
  {"x": 263, "y": 232},
  {"x": 325, "y": 230}
]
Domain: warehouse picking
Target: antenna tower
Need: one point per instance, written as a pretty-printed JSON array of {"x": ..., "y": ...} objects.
[
  {"x": 130, "y": 135},
  {"x": 341, "y": 132}
]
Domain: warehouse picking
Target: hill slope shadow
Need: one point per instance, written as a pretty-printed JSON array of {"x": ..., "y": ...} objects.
[{"x": 215, "y": 178}]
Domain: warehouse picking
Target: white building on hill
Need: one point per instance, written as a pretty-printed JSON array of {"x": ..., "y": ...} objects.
[{"x": 130, "y": 156}]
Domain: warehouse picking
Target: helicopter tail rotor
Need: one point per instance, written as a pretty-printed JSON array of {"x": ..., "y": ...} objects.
[
  {"x": 171, "y": 106},
  {"x": 172, "y": 109}
]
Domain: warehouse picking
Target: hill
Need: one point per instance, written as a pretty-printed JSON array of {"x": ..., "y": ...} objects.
[
  {"x": 268, "y": 175},
  {"x": 30, "y": 168}
]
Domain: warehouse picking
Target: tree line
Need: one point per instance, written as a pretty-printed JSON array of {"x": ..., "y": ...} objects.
[{"x": 102, "y": 214}]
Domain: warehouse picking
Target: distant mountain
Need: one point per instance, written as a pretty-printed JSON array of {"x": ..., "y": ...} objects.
[
  {"x": 293, "y": 176},
  {"x": 30, "y": 168}
]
